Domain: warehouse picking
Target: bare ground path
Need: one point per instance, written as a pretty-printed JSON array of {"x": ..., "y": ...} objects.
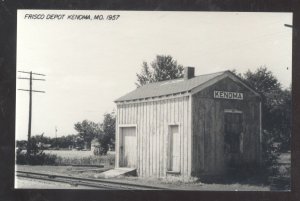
[{"x": 174, "y": 185}]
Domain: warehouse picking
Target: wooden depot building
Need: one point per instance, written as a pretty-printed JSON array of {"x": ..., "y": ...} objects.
[{"x": 193, "y": 126}]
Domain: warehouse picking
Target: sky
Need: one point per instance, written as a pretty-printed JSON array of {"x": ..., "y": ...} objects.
[{"x": 90, "y": 63}]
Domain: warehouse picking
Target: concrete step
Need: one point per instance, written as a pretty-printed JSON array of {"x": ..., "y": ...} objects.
[{"x": 116, "y": 172}]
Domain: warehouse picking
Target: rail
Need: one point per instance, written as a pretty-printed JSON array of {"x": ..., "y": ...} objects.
[{"x": 89, "y": 182}]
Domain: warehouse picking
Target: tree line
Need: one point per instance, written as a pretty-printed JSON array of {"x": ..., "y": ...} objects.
[
  {"x": 103, "y": 132},
  {"x": 87, "y": 131}
]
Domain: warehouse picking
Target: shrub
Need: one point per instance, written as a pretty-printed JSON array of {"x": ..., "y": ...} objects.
[
  {"x": 270, "y": 154},
  {"x": 36, "y": 159},
  {"x": 36, "y": 156},
  {"x": 100, "y": 150},
  {"x": 269, "y": 165}
]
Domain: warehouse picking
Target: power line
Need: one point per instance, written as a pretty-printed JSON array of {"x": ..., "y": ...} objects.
[
  {"x": 25, "y": 78},
  {"x": 30, "y": 90},
  {"x": 31, "y": 73}
]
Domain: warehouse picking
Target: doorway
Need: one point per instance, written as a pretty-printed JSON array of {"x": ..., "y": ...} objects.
[
  {"x": 128, "y": 147},
  {"x": 174, "y": 149},
  {"x": 233, "y": 138}
]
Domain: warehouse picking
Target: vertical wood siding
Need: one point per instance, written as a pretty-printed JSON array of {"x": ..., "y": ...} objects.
[
  {"x": 208, "y": 128},
  {"x": 200, "y": 118},
  {"x": 152, "y": 121}
]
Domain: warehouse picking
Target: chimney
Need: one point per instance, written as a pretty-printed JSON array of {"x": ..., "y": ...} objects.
[{"x": 189, "y": 72}]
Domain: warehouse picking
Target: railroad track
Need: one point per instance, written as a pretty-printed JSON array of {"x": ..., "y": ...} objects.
[{"x": 88, "y": 182}]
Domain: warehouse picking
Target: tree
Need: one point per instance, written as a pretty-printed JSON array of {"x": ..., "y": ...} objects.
[
  {"x": 264, "y": 82},
  {"x": 87, "y": 130},
  {"x": 109, "y": 131},
  {"x": 276, "y": 106},
  {"x": 282, "y": 118},
  {"x": 65, "y": 141},
  {"x": 42, "y": 139},
  {"x": 164, "y": 67},
  {"x": 276, "y": 112},
  {"x": 21, "y": 144}
]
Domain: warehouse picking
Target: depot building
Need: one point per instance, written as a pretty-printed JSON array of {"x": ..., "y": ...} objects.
[{"x": 193, "y": 126}]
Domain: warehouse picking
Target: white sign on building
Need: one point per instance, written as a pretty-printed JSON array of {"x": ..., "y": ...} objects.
[{"x": 228, "y": 95}]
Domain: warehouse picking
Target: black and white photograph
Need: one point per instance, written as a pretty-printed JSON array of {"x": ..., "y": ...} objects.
[{"x": 153, "y": 100}]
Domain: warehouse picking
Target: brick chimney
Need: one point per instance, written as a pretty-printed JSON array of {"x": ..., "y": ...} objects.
[{"x": 189, "y": 72}]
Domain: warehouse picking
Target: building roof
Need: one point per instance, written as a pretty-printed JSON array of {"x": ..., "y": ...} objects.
[{"x": 168, "y": 87}]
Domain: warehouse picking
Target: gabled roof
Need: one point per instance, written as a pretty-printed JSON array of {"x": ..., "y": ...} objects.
[
  {"x": 168, "y": 87},
  {"x": 176, "y": 86}
]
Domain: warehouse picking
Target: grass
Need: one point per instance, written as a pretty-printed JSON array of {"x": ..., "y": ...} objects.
[
  {"x": 69, "y": 153},
  {"x": 108, "y": 160},
  {"x": 282, "y": 180},
  {"x": 85, "y": 158}
]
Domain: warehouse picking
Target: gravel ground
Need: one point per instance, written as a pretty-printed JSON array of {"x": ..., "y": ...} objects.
[
  {"x": 194, "y": 185},
  {"x": 89, "y": 172},
  {"x": 25, "y": 183},
  {"x": 175, "y": 185}
]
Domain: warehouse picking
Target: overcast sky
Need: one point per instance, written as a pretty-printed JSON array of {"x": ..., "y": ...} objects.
[{"x": 90, "y": 63}]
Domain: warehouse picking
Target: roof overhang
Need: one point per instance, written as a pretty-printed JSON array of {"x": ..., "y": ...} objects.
[
  {"x": 192, "y": 91},
  {"x": 156, "y": 98},
  {"x": 219, "y": 78}
]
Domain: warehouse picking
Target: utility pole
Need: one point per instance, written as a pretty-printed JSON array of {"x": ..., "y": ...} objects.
[
  {"x": 288, "y": 25},
  {"x": 56, "y": 137},
  {"x": 30, "y": 107},
  {"x": 30, "y": 102}
]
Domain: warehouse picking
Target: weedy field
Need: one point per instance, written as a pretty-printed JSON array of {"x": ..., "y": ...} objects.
[
  {"x": 69, "y": 153},
  {"x": 74, "y": 157}
]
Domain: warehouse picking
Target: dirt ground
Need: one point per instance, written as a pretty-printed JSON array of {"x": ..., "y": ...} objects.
[
  {"x": 25, "y": 183},
  {"x": 90, "y": 172},
  {"x": 164, "y": 183},
  {"x": 62, "y": 170}
]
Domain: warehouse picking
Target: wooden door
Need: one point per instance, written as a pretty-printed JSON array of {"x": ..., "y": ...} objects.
[
  {"x": 128, "y": 147},
  {"x": 174, "y": 149},
  {"x": 233, "y": 138}
]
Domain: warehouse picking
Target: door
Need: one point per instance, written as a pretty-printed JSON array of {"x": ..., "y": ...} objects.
[
  {"x": 128, "y": 147},
  {"x": 174, "y": 149},
  {"x": 233, "y": 138}
]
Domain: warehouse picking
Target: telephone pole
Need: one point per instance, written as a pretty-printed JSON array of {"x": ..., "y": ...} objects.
[
  {"x": 56, "y": 137},
  {"x": 30, "y": 101},
  {"x": 288, "y": 25}
]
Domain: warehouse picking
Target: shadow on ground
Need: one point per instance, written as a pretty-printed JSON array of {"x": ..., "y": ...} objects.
[
  {"x": 277, "y": 182},
  {"x": 233, "y": 179}
]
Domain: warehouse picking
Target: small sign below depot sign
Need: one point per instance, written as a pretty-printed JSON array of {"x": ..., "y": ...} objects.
[{"x": 228, "y": 95}]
